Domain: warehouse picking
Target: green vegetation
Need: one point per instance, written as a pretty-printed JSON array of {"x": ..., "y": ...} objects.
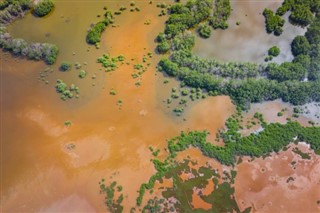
[
  {"x": 274, "y": 51},
  {"x": 286, "y": 71},
  {"x": 204, "y": 31},
  {"x": 244, "y": 82},
  {"x": 302, "y": 154},
  {"x": 34, "y": 51},
  {"x": 94, "y": 35},
  {"x": 113, "y": 92},
  {"x": 113, "y": 199},
  {"x": 163, "y": 47},
  {"x": 221, "y": 198},
  {"x": 274, "y": 22},
  {"x": 183, "y": 17},
  {"x": 302, "y": 14},
  {"x": 68, "y": 123},
  {"x": 273, "y": 138},
  {"x": 10, "y": 10},
  {"x": 65, "y": 66},
  {"x": 154, "y": 152},
  {"x": 300, "y": 45},
  {"x": 43, "y": 7},
  {"x": 82, "y": 74},
  {"x": 65, "y": 91},
  {"x": 221, "y": 13},
  {"x": 301, "y": 11},
  {"x": 279, "y": 114},
  {"x": 110, "y": 63}
]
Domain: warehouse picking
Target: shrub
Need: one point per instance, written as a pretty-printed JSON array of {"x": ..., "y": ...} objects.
[
  {"x": 65, "y": 66},
  {"x": 274, "y": 23},
  {"x": 43, "y": 7},
  {"x": 163, "y": 47},
  {"x": 93, "y": 36},
  {"x": 82, "y": 74},
  {"x": 274, "y": 51},
  {"x": 204, "y": 31}
]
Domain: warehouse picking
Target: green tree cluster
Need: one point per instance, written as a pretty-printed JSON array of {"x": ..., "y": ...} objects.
[
  {"x": 94, "y": 34},
  {"x": 34, "y": 51},
  {"x": 274, "y": 22},
  {"x": 43, "y": 7},
  {"x": 274, "y": 51},
  {"x": 302, "y": 12},
  {"x": 245, "y": 82},
  {"x": 273, "y": 138},
  {"x": 221, "y": 13},
  {"x": 13, "y": 9},
  {"x": 204, "y": 31}
]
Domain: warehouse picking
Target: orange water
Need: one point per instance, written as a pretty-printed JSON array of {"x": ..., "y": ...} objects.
[{"x": 39, "y": 171}]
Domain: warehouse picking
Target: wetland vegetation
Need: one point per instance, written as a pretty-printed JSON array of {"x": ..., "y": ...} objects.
[{"x": 237, "y": 137}]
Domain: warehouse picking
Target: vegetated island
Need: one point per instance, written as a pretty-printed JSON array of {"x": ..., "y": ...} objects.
[{"x": 11, "y": 10}]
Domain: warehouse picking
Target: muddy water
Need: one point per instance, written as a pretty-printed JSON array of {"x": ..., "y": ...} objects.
[
  {"x": 248, "y": 41},
  {"x": 283, "y": 182},
  {"x": 40, "y": 172}
]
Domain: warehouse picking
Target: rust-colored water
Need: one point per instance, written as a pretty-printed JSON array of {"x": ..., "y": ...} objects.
[
  {"x": 283, "y": 182},
  {"x": 40, "y": 172}
]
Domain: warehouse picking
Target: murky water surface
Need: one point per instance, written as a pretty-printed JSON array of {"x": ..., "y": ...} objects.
[
  {"x": 249, "y": 40},
  {"x": 42, "y": 171},
  {"x": 48, "y": 167}
]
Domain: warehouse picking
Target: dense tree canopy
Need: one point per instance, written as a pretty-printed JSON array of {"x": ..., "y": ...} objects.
[
  {"x": 300, "y": 45},
  {"x": 43, "y": 7},
  {"x": 246, "y": 82}
]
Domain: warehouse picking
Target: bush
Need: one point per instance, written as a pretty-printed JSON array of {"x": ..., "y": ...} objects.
[
  {"x": 94, "y": 35},
  {"x": 163, "y": 47},
  {"x": 43, "y": 7},
  {"x": 274, "y": 23},
  {"x": 274, "y": 51},
  {"x": 65, "y": 66},
  {"x": 204, "y": 31},
  {"x": 82, "y": 74}
]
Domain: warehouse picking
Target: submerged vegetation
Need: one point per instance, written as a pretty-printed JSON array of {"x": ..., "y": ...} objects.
[
  {"x": 273, "y": 138},
  {"x": 114, "y": 197}
]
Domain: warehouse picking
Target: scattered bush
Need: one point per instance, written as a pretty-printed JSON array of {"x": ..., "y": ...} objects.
[
  {"x": 82, "y": 74},
  {"x": 65, "y": 66}
]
